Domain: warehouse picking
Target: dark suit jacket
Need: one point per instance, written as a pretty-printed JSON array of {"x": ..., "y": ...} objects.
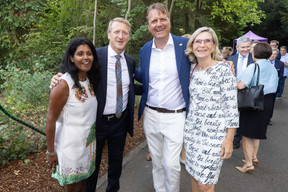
[
  {"x": 279, "y": 65},
  {"x": 234, "y": 58},
  {"x": 101, "y": 90},
  {"x": 183, "y": 68}
]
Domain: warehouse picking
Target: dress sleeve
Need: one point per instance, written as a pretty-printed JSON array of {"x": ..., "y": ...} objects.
[
  {"x": 229, "y": 95},
  {"x": 246, "y": 75}
]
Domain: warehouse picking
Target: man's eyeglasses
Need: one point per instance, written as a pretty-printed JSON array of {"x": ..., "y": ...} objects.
[{"x": 206, "y": 41}]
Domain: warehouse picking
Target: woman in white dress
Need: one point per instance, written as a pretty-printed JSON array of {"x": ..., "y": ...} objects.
[
  {"x": 70, "y": 126},
  {"x": 213, "y": 114}
]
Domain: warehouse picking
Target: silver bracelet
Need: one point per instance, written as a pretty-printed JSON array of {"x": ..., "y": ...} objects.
[{"x": 50, "y": 154}]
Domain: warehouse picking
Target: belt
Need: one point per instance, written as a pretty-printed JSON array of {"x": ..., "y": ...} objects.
[
  {"x": 163, "y": 110},
  {"x": 109, "y": 117}
]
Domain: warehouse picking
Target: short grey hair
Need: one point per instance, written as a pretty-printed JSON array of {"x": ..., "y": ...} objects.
[
  {"x": 243, "y": 39},
  {"x": 283, "y": 47},
  {"x": 121, "y": 20}
]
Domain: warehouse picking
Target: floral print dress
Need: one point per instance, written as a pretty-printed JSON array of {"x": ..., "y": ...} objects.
[{"x": 75, "y": 138}]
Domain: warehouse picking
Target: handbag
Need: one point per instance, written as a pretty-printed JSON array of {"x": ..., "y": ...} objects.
[{"x": 252, "y": 97}]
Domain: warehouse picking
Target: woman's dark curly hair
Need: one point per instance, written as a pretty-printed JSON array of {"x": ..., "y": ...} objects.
[{"x": 67, "y": 66}]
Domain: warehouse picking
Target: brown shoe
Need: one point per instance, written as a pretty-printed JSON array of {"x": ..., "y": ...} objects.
[{"x": 148, "y": 157}]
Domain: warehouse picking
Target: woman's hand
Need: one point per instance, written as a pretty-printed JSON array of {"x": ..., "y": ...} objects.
[
  {"x": 52, "y": 161},
  {"x": 227, "y": 145},
  {"x": 226, "y": 149}
]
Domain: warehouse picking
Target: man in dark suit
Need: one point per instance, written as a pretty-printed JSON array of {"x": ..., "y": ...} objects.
[
  {"x": 165, "y": 77},
  {"x": 111, "y": 125},
  {"x": 279, "y": 65},
  {"x": 108, "y": 126},
  {"x": 241, "y": 60}
]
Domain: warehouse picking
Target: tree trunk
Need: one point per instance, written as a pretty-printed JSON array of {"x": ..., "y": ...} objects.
[
  {"x": 129, "y": 8},
  {"x": 94, "y": 23}
]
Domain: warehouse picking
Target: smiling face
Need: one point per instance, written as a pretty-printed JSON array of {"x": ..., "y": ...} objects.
[
  {"x": 203, "y": 45},
  {"x": 83, "y": 58},
  {"x": 244, "y": 48},
  {"x": 119, "y": 36},
  {"x": 158, "y": 24},
  {"x": 283, "y": 51}
]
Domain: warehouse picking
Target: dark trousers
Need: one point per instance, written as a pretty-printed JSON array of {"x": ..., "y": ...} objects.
[
  {"x": 114, "y": 131},
  {"x": 273, "y": 98},
  {"x": 281, "y": 86}
]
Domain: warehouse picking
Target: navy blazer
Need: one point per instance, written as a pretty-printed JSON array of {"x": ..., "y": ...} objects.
[
  {"x": 101, "y": 90},
  {"x": 183, "y": 68},
  {"x": 279, "y": 65},
  {"x": 234, "y": 58}
]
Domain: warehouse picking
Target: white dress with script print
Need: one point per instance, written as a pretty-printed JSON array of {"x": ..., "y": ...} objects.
[
  {"x": 75, "y": 138},
  {"x": 212, "y": 109}
]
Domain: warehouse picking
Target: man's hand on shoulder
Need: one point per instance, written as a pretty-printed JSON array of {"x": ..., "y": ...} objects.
[
  {"x": 230, "y": 63},
  {"x": 55, "y": 80}
]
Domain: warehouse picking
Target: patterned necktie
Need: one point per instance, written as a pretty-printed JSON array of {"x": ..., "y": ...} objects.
[{"x": 119, "y": 97}]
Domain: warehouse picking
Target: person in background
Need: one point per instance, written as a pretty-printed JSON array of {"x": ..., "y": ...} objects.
[
  {"x": 275, "y": 44},
  {"x": 279, "y": 66},
  {"x": 70, "y": 125},
  {"x": 164, "y": 73},
  {"x": 213, "y": 114},
  {"x": 253, "y": 124},
  {"x": 241, "y": 61},
  {"x": 284, "y": 59},
  {"x": 253, "y": 45},
  {"x": 226, "y": 52}
]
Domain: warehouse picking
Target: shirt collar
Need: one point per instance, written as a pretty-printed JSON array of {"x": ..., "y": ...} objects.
[
  {"x": 170, "y": 42},
  {"x": 112, "y": 53},
  {"x": 244, "y": 57}
]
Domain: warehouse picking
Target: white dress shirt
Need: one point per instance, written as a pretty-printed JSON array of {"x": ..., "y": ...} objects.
[
  {"x": 110, "y": 106},
  {"x": 164, "y": 86}
]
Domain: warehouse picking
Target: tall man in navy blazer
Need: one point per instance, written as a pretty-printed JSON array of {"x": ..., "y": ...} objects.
[
  {"x": 165, "y": 77},
  {"x": 241, "y": 60}
]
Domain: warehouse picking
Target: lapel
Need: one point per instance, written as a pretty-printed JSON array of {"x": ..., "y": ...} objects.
[
  {"x": 103, "y": 59},
  {"x": 178, "y": 52},
  {"x": 146, "y": 62},
  {"x": 129, "y": 65}
]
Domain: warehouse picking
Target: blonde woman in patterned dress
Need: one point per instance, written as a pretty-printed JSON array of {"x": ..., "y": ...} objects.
[
  {"x": 70, "y": 126},
  {"x": 213, "y": 113}
]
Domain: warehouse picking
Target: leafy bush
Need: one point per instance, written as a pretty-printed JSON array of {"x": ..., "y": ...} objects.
[{"x": 25, "y": 96}]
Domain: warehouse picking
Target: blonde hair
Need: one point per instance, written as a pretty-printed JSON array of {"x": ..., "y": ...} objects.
[
  {"x": 121, "y": 20},
  {"x": 186, "y": 35},
  {"x": 189, "y": 51}
]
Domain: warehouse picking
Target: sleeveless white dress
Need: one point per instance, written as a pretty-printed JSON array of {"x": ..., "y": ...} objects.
[
  {"x": 212, "y": 109},
  {"x": 75, "y": 137}
]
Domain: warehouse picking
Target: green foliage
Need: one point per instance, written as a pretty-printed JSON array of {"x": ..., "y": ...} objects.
[
  {"x": 17, "y": 17},
  {"x": 25, "y": 90},
  {"x": 275, "y": 25},
  {"x": 15, "y": 142}
]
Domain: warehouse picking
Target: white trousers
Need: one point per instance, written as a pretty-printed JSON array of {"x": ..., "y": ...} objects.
[{"x": 164, "y": 135}]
